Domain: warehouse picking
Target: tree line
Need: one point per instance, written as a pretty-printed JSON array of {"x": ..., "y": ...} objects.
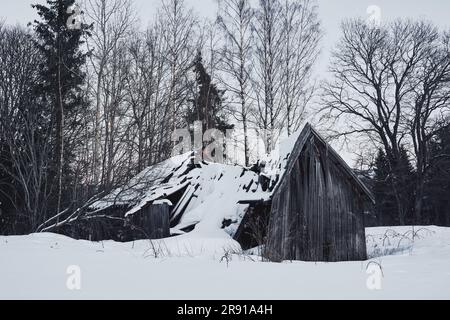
[
  {"x": 390, "y": 91},
  {"x": 89, "y": 98}
]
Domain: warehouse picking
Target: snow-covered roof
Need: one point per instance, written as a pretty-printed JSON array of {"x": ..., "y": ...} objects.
[
  {"x": 153, "y": 182},
  {"x": 207, "y": 193}
]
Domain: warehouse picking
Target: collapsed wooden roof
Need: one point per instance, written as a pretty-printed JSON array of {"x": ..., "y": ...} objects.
[
  {"x": 202, "y": 194},
  {"x": 206, "y": 194}
]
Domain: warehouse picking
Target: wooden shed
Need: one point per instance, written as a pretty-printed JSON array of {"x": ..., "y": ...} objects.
[
  {"x": 318, "y": 206},
  {"x": 302, "y": 203}
]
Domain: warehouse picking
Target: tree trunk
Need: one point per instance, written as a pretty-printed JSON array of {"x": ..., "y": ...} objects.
[
  {"x": 95, "y": 161},
  {"x": 418, "y": 203},
  {"x": 59, "y": 135}
]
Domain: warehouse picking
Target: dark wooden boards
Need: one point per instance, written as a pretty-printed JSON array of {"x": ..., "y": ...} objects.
[
  {"x": 153, "y": 221},
  {"x": 318, "y": 208}
]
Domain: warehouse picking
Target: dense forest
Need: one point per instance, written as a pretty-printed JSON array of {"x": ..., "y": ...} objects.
[{"x": 89, "y": 98}]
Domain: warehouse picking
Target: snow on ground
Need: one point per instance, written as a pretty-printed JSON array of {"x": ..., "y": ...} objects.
[{"x": 194, "y": 267}]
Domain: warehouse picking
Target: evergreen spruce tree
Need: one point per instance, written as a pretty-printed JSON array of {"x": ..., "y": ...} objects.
[
  {"x": 386, "y": 207},
  {"x": 207, "y": 106},
  {"x": 437, "y": 187},
  {"x": 60, "y": 39}
]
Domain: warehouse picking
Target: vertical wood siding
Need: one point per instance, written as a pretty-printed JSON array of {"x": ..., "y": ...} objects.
[
  {"x": 153, "y": 221},
  {"x": 317, "y": 212}
]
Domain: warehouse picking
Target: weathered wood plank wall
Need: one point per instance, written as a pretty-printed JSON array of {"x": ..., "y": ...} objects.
[
  {"x": 153, "y": 221},
  {"x": 317, "y": 212}
]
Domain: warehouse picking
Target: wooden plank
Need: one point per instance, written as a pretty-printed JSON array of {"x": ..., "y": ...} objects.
[
  {"x": 154, "y": 221},
  {"x": 317, "y": 209}
]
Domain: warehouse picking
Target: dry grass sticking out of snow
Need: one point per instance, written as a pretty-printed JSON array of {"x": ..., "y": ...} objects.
[{"x": 415, "y": 264}]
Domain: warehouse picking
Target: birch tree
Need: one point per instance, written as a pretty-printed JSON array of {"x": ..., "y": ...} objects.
[
  {"x": 267, "y": 80},
  {"x": 235, "y": 21},
  {"x": 113, "y": 22},
  {"x": 300, "y": 50},
  {"x": 178, "y": 25}
]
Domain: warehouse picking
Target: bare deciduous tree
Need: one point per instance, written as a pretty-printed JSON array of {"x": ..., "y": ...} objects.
[
  {"x": 389, "y": 85},
  {"x": 300, "y": 50},
  {"x": 24, "y": 129},
  {"x": 429, "y": 107},
  {"x": 235, "y": 20},
  {"x": 178, "y": 25},
  {"x": 113, "y": 22},
  {"x": 267, "y": 72}
]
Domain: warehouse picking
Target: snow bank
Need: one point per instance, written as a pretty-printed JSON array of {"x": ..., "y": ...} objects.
[{"x": 35, "y": 267}]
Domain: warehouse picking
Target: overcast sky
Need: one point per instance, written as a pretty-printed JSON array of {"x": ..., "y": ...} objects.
[{"x": 332, "y": 12}]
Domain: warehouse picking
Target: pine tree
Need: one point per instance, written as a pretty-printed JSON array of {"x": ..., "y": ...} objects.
[
  {"x": 386, "y": 206},
  {"x": 437, "y": 188},
  {"x": 207, "y": 105},
  {"x": 60, "y": 41}
]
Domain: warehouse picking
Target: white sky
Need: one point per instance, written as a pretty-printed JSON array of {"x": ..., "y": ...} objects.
[{"x": 332, "y": 12}]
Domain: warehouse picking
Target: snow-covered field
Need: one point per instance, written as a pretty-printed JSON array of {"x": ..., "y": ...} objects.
[{"x": 194, "y": 267}]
